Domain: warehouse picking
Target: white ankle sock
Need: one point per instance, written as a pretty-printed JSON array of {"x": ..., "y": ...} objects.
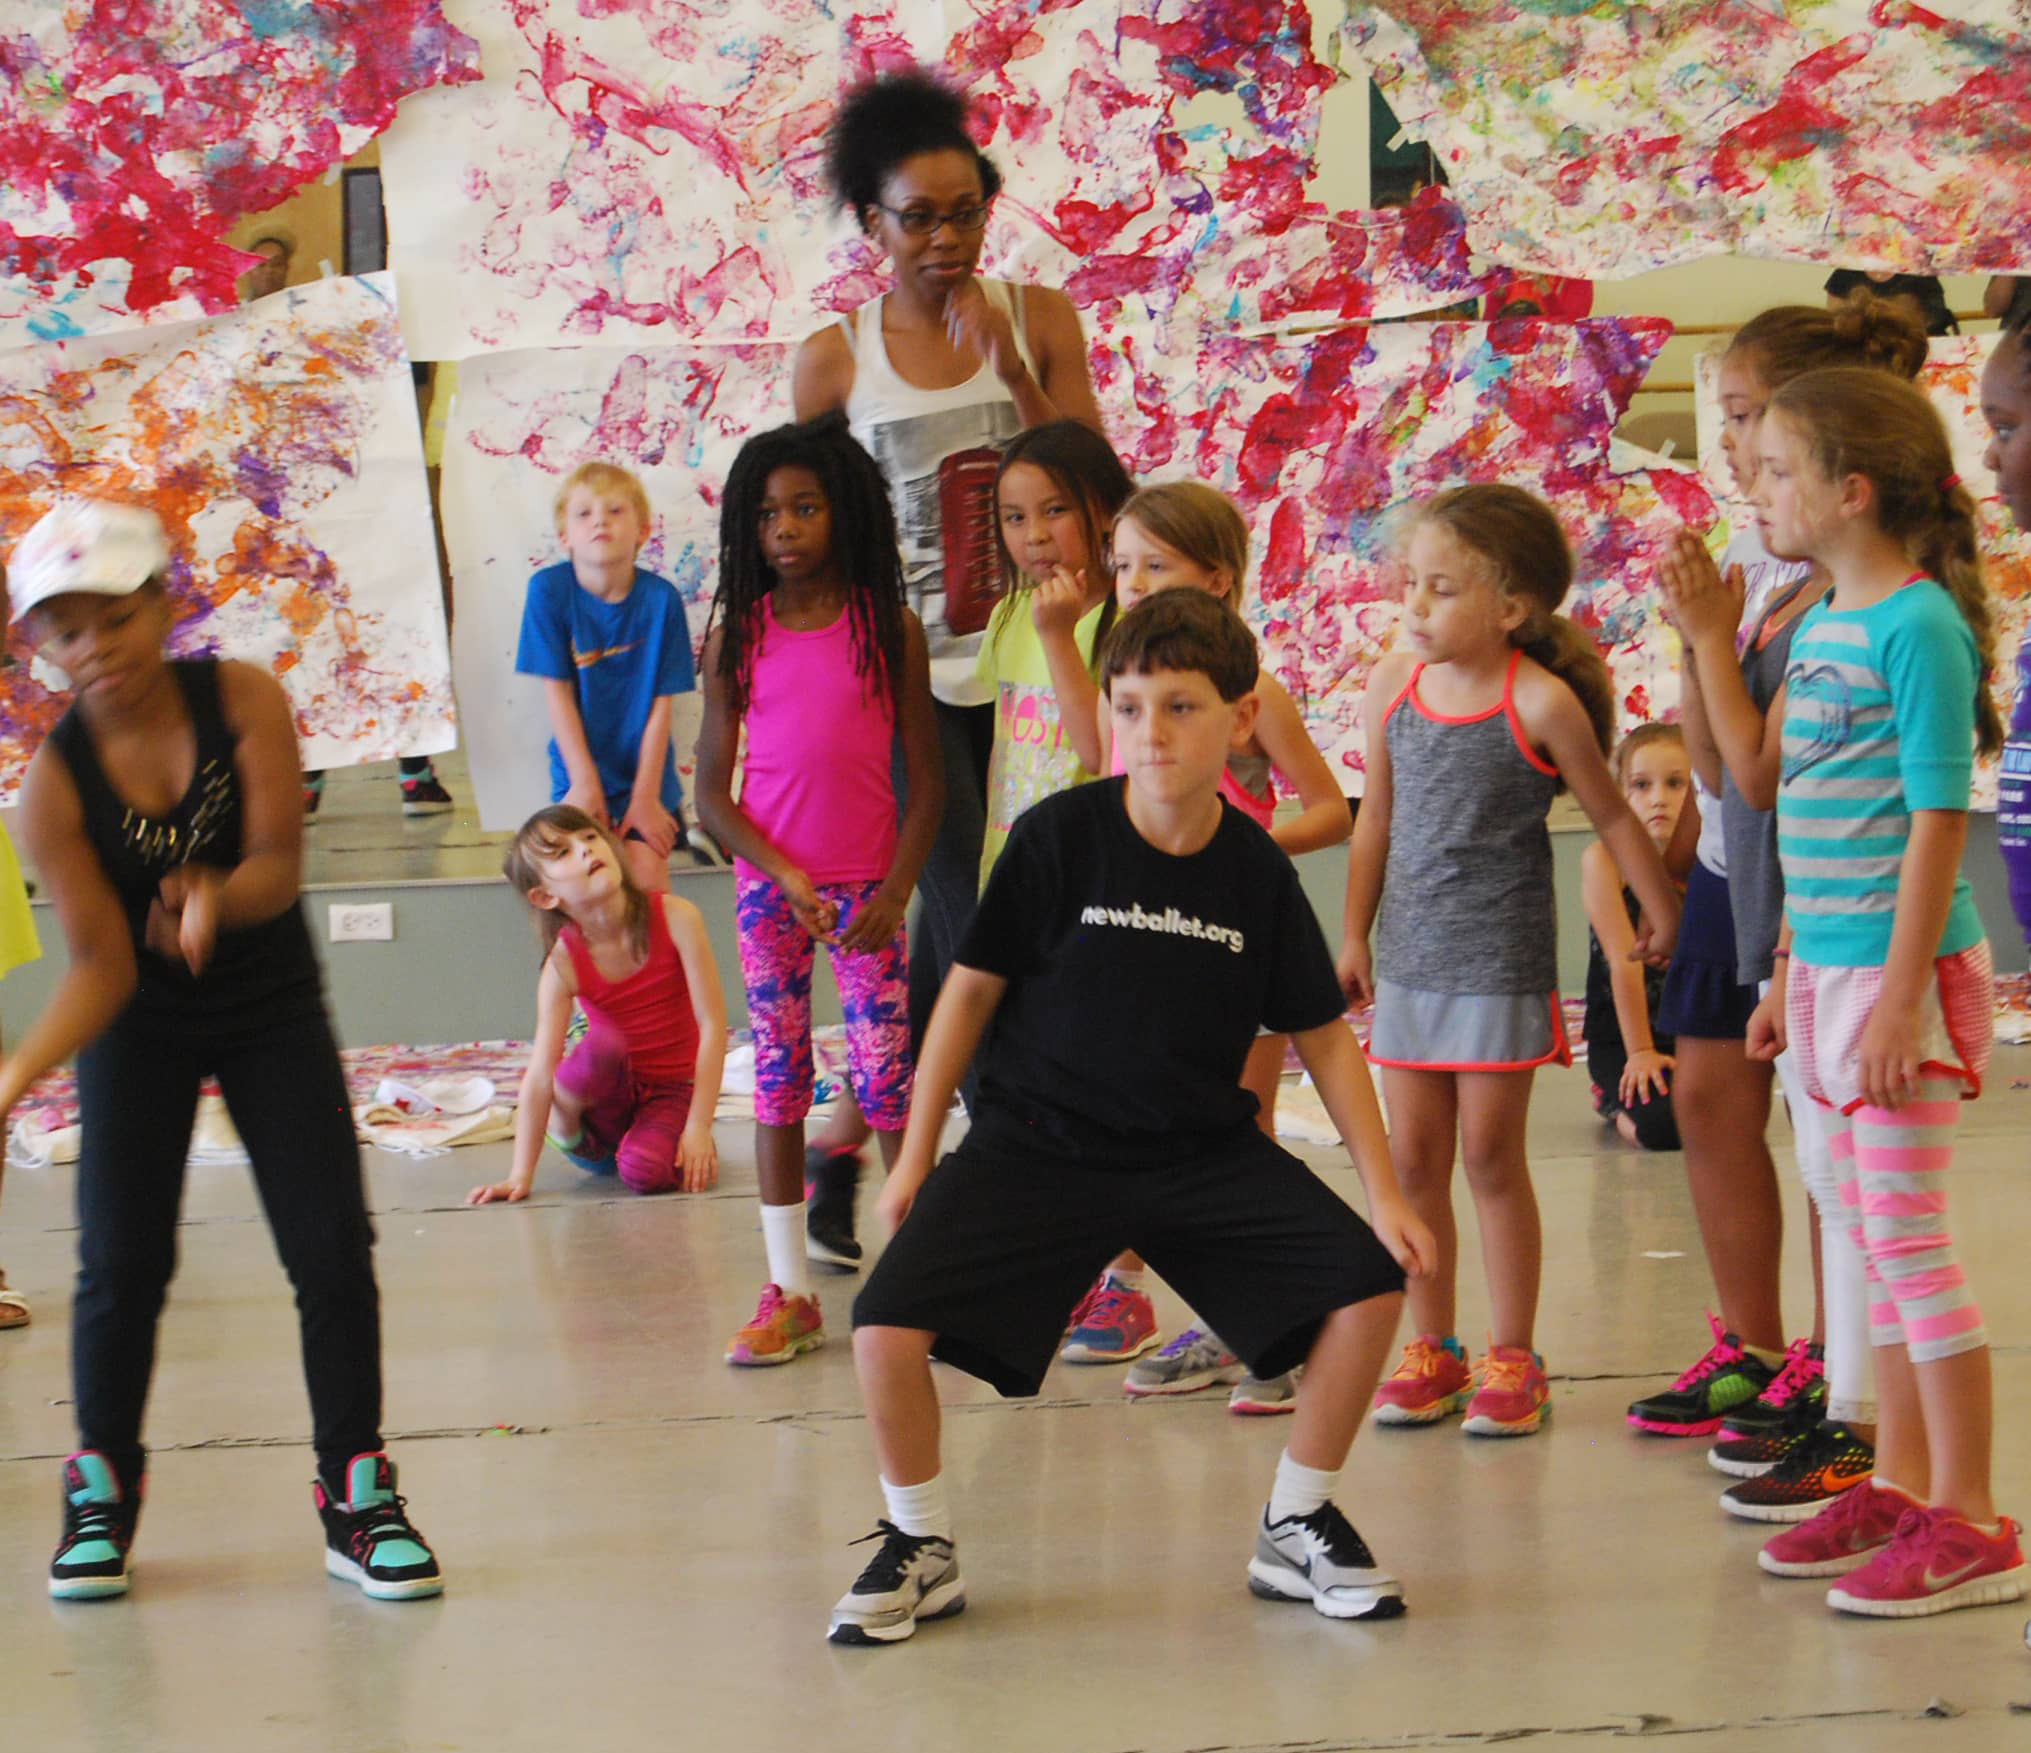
[
  {"x": 1123, "y": 1278},
  {"x": 783, "y": 1236},
  {"x": 1299, "y": 1489},
  {"x": 920, "y": 1509}
]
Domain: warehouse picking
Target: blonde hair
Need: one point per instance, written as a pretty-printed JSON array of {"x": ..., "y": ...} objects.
[
  {"x": 548, "y": 834},
  {"x": 1867, "y": 423},
  {"x": 1199, "y": 522},
  {"x": 1644, "y": 736},
  {"x": 1519, "y": 540},
  {"x": 601, "y": 478}
]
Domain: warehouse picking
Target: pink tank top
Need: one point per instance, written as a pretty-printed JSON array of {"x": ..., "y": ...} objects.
[
  {"x": 820, "y": 739},
  {"x": 650, "y": 1010},
  {"x": 1261, "y": 810}
]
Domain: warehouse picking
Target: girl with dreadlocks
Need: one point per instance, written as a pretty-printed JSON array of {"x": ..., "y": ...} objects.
[{"x": 811, "y": 649}]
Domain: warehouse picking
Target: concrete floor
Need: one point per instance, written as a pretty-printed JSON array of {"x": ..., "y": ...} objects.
[{"x": 643, "y": 1544}]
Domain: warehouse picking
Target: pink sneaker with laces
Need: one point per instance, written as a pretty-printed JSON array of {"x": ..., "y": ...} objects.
[
  {"x": 1936, "y": 1561},
  {"x": 1432, "y": 1381},
  {"x": 783, "y": 1327},
  {"x": 1842, "y": 1537},
  {"x": 1514, "y": 1397}
]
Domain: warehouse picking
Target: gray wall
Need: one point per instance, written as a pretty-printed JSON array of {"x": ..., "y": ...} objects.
[{"x": 462, "y": 965}]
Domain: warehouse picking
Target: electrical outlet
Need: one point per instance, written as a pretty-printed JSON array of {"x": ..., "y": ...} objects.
[{"x": 362, "y": 921}]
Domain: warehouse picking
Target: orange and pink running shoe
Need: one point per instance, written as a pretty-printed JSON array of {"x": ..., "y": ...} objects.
[
  {"x": 782, "y": 1328},
  {"x": 1432, "y": 1382},
  {"x": 1514, "y": 1397},
  {"x": 1936, "y": 1561}
]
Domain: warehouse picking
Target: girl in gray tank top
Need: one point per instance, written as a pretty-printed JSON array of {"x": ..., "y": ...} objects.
[{"x": 1497, "y": 703}]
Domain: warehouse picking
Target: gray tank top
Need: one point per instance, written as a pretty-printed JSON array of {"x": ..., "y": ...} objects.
[
  {"x": 1467, "y": 901},
  {"x": 1755, "y": 883}
]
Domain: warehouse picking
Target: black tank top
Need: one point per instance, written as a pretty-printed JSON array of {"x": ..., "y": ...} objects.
[{"x": 267, "y": 964}]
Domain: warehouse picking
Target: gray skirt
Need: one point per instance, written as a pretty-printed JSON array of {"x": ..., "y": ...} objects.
[{"x": 1466, "y": 1031}]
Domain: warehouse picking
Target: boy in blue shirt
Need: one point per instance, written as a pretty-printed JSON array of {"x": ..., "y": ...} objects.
[
  {"x": 1134, "y": 935},
  {"x": 614, "y": 650}
]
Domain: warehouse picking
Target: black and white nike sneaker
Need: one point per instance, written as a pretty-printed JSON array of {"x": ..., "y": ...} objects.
[
  {"x": 1321, "y": 1559},
  {"x": 913, "y": 1577}
]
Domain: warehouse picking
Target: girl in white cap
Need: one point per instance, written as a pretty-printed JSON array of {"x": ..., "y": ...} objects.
[{"x": 162, "y": 815}]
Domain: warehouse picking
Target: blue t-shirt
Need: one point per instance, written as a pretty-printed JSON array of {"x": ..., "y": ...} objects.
[
  {"x": 1879, "y": 721},
  {"x": 623, "y": 656}
]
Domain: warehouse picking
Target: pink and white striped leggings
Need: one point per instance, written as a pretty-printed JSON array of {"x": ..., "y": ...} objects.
[{"x": 1892, "y": 1166}]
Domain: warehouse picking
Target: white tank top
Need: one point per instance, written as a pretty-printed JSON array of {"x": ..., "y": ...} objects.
[{"x": 939, "y": 451}]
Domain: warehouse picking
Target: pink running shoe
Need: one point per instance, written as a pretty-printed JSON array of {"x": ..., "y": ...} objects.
[
  {"x": 1842, "y": 1537},
  {"x": 1113, "y": 1325},
  {"x": 782, "y": 1328},
  {"x": 1937, "y": 1560},
  {"x": 1432, "y": 1381},
  {"x": 1514, "y": 1397}
]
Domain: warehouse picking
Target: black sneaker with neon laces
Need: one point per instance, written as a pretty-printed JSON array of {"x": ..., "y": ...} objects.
[
  {"x": 1803, "y": 1373},
  {"x": 1750, "y": 1457}
]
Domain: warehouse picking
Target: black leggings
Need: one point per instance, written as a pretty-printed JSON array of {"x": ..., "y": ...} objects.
[
  {"x": 1656, "y": 1125},
  {"x": 948, "y": 888},
  {"x": 138, "y": 1091}
]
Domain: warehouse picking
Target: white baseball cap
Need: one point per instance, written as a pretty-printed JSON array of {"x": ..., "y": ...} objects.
[{"x": 89, "y": 545}]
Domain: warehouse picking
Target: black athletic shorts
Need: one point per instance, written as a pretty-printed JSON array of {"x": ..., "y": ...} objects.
[{"x": 1003, "y": 1242}]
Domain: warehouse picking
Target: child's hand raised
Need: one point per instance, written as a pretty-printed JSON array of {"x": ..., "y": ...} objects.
[
  {"x": 1698, "y": 600},
  {"x": 1057, "y": 603}
]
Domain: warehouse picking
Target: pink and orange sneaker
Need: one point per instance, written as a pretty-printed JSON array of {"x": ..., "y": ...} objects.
[
  {"x": 1432, "y": 1382},
  {"x": 783, "y": 1326},
  {"x": 1514, "y": 1397},
  {"x": 1842, "y": 1537},
  {"x": 1936, "y": 1561}
]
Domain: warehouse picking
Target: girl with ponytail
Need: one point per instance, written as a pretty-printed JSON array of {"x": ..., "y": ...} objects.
[
  {"x": 1493, "y": 704},
  {"x": 1758, "y": 1395},
  {"x": 1884, "y": 985}
]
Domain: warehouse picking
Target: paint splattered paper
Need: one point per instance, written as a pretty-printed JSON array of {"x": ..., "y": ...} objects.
[
  {"x": 652, "y": 173},
  {"x": 1323, "y": 440},
  {"x": 1953, "y": 379},
  {"x": 280, "y": 446},
  {"x": 675, "y": 417},
  {"x": 134, "y": 133},
  {"x": 1601, "y": 141}
]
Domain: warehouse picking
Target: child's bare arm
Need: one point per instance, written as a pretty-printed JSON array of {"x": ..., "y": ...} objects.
[
  {"x": 560, "y": 701},
  {"x": 1370, "y": 851},
  {"x": 1324, "y": 819},
  {"x": 877, "y": 918},
  {"x": 1601, "y": 892},
  {"x": 1056, "y": 608},
  {"x": 101, "y": 974},
  {"x": 554, "y": 993},
  {"x": 646, "y": 814},
  {"x": 1339, "y": 1070},
  {"x": 698, "y": 1155}
]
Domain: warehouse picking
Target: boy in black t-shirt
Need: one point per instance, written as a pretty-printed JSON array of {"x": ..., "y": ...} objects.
[{"x": 1134, "y": 936}]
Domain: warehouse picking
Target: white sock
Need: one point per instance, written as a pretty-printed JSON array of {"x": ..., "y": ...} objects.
[
  {"x": 783, "y": 1236},
  {"x": 1123, "y": 1278},
  {"x": 920, "y": 1509},
  {"x": 1299, "y": 1490}
]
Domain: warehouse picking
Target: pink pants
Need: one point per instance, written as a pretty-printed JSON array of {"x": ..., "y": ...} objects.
[{"x": 628, "y": 1126}]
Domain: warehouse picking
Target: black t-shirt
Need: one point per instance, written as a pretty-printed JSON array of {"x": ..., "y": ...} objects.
[{"x": 1137, "y": 979}]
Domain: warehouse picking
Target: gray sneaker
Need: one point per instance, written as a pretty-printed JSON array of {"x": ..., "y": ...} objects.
[
  {"x": 1192, "y": 1361},
  {"x": 1253, "y": 1397},
  {"x": 1321, "y": 1559},
  {"x": 913, "y": 1577}
]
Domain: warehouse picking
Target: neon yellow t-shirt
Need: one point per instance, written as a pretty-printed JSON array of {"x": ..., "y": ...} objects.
[
  {"x": 18, "y": 942},
  {"x": 1033, "y": 756}
]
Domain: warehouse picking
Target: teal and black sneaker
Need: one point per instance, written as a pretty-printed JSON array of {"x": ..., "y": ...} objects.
[
  {"x": 1804, "y": 1372},
  {"x": 98, "y": 1527},
  {"x": 369, "y": 1539},
  {"x": 1728, "y": 1376}
]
